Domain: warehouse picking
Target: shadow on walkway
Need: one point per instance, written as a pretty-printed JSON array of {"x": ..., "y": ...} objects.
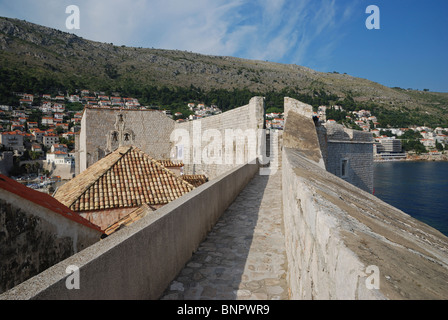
[{"x": 243, "y": 257}]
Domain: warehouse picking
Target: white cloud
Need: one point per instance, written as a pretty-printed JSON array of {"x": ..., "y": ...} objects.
[{"x": 275, "y": 30}]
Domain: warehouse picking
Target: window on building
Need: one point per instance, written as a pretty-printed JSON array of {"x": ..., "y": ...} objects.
[
  {"x": 180, "y": 152},
  {"x": 344, "y": 168}
]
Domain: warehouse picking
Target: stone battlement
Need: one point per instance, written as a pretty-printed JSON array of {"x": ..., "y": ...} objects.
[
  {"x": 345, "y": 243},
  {"x": 341, "y": 241}
]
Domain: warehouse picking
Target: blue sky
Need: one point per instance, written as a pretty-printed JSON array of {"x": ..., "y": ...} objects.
[{"x": 409, "y": 50}]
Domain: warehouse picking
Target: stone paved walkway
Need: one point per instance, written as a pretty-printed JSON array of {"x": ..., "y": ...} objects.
[{"x": 243, "y": 257}]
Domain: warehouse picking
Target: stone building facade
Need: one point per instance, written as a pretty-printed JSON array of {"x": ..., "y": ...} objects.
[
  {"x": 348, "y": 154},
  {"x": 105, "y": 130}
]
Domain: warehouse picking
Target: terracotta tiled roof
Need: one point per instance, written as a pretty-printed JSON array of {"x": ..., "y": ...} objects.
[
  {"x": 195, "y": 180},
  {"x": 126, "y": 178},
  {"x": 171, "y": 163}
]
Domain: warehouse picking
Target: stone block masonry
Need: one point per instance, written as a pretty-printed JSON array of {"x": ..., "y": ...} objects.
[
  {"x": 344, "y": 243},
  {"x": 240, "y": 123},
  {"x": 34, "y": 237},
  {"x": 348, "y": 154},
  {"x": 341, "y": 242},
  {"x": 104, "y": 130}
]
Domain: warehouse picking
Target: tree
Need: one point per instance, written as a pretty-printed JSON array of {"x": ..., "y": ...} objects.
[
  {"x": 34, "y": 155},
  {"x": 387, "y": 133},
  {"x": 59, "y": 130},
  {"x": 274, "y": 110},
  {"x": 439, "y": 146},
  {"x": 413, "y": 145}
]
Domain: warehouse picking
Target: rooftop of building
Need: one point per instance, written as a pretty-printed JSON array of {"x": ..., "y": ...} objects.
[
  {"x": 196, "y": 180},
  {"x": 126, "y": 178},
  {"x": 129, "y": 219}
]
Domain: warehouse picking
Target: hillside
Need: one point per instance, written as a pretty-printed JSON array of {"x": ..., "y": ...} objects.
[{"x": 45, "y": 57}]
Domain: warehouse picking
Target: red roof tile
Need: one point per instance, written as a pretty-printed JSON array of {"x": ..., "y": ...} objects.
[{"x": 126, "y": 178}]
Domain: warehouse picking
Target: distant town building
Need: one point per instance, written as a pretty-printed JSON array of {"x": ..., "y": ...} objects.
[
  {"x": 59, "y": 147},
  {"x": 35, "y": 147},
  {"x": 5, "y": 108},
  {"x": 12, "y": 141},
  {"x": 47, "y": 121},
  {"x": 74, "y": 98},
  {"x": 429, "y": 143},
  {"x": 391, "y": 145},
  {"x": 60, "y": 157},
  {"x": 38, "y": 135},
  {"x": 49, "y": 139}
]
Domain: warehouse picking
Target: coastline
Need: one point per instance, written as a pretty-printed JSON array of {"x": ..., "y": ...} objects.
[{"x": 416, "y": 158}]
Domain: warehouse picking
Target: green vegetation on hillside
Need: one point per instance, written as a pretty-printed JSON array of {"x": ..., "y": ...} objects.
[
  {"x": 36, "y": 59},
  {"x": 177, "y": 98},
  {"x": 387, "y": 117}
]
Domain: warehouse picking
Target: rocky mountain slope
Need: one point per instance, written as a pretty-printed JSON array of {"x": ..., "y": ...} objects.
[{"x": 41, "y": 52}]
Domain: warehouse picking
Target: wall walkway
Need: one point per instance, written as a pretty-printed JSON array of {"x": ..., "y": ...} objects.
[
  {"x": 140, "y": 261},
  {"x": 244, "y": 256}
]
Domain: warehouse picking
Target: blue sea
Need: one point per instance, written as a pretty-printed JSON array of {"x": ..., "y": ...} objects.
[{"x": 418, "y": 188}]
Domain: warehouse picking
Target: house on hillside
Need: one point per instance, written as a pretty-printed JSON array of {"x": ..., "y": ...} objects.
[
  {"x": 36, "y": 147},
  {"x": 47, "y": 121},
  {"x": 60, "y": 158},
  {"x": 13, "y": 140},
  {"x": 26, "y": 102},
  {"x": 49, "y": 139}
]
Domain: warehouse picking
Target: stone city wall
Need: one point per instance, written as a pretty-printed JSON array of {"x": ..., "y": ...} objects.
[
  {"x": 6, "y": 162},
  {"x": 139, "y": 261},
  {"x": 193, "y": 139},
  {"x": 33, "y": 238},
  {"x": 344, "y": 243}
]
